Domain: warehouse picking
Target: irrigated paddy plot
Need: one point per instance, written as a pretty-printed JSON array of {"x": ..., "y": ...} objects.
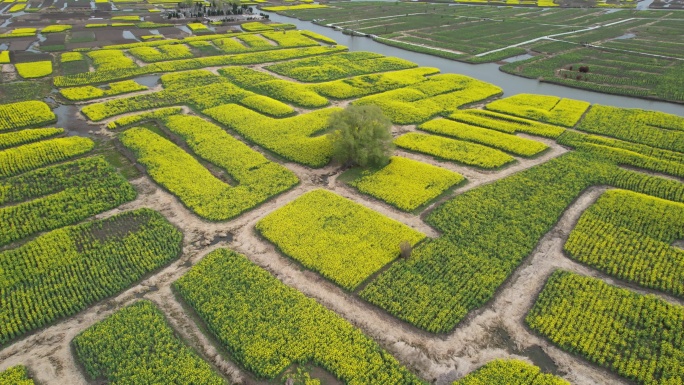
[{"x": 177, "y": 210}]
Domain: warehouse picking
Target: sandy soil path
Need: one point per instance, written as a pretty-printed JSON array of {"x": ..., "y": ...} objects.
[{"x": 495, "y": 331}]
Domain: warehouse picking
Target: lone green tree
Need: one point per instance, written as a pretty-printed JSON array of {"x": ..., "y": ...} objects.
[{"x": 361, "y": 136}]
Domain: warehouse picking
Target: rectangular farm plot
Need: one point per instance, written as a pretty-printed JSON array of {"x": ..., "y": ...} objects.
[
  {"x": 630, "y": 236},
  {"x": 407, "y": 184},
  {"x": 295, "y": 138},
  {"x": 651, "y": 128},
  {"x": 267, "y": 326},
  {"x": 203, "y": 192},
  {"x": 336, "y": 237},
  {"x": 549, "y": 109},
  {"x": 338, "y": 66},
  {"x": 25, "y": 114},
  {"x": 439, "y": 94},
  {"x": 17, "y": 160},
  {"x": 637, "y": 336},
  {"x": 55, "y": 196},
  {"x": 16, "y": 138},
  {"x": 137, "y": 345},
  {"x": 459, "y": 151},
  {"x": 506, "y": 123},
  {"x": 499, "y": 140},
  {"x": 63, "y": 271}
]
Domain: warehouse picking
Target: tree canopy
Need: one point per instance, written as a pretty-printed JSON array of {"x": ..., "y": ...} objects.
[{"x": 361, "y": 136}]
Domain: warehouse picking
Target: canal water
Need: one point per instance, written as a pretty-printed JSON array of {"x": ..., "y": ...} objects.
[{"x": 489, "y": 72}]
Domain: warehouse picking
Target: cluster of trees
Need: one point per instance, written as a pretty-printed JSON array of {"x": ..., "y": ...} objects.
[
  {"x": 581, "y": 70},
  {"x": 191, "y": 8}
]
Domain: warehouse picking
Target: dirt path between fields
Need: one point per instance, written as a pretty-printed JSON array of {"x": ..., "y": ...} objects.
[
  {"x": 437, "y": 358},
  {"x": 442, "y": 359}
]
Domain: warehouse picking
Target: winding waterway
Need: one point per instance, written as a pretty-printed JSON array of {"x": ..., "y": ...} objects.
[{"x": 511, "y": 84}]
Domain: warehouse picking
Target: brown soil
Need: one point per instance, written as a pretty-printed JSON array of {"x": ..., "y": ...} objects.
[{"x": 494, "y": 331}]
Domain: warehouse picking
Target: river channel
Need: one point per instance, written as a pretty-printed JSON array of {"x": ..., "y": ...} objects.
[{"x": 489, "y": 72}]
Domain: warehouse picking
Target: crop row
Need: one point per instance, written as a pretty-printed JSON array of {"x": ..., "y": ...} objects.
[
  {"x": 418, "y": 48},
  {"x": 502, "y": 141},
  {"x": 138, "y": 118},
  {"x": 364, "y": 85},
  {"x": 200, "y": 89},
  {"x": 255, "y": 41},
  {"x": 440, "y": 94},
  {"x": 232, "y": 45},
  {"x": 336, "y": 237},
  {"x": 63, "y": 271},
  {"x": 111, "y": 59},
  {"x": 406, "y": 184},
  {"x": 505, "y": 123},
  {"x": 510, "y": 372},
  {"x": 25, "y": 114},
  {"x": 547, "y": 109},
  {"x": 459, "y": 151},
  {"x": 318, "y": 37},
  {"x": 40, "y": 206},
  {"x": 101, "y": 76},
  {"x": 488, "y": 231},
  {"x": 20, "y": 32},
  {"x": 90, "y": 92},
  {"x": 313, "y": 95},
  {"x": 289, "y": 39},
  {"x": 201, "y": 96},
  {"x": 333, "y": 67},
  {"x": 205, "y": 194},
  {"x": 257, "y": 26},
  {"x": 161, "y": 53},
  {"x": 629, "y": 235},
  {"x": 577, "y": 139},
  {"x": 244, "y": 76},
  {"x": 137, "y": 345},
  {"x": 16, "y": 138},
  {"x": 267, "y": 326},
  {"x": 52, "y": 179},
  {"x": 15, "y": 375},
  {"x": 293, "y": 138},
  {"x": 55, "y": 28},
  {"x": 637, "y": 336},
  {"x": 267, "y": 106},
  {"x": 192, "y": 78},
  {"x": 30, "y": 156},
  {"x": 656, "y": 129},
  {"x": 258, "y": 178},
  {"x": 298, "y": 94},
  {"x": 293, "y": 7},
  {"x": 612, "y": 71},
  {"x": 627, "y": 153},
  {"x": 68, "y": 57}
]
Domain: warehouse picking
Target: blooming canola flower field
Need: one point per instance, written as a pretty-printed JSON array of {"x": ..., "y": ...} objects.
[{"x": 196, "y": 230}]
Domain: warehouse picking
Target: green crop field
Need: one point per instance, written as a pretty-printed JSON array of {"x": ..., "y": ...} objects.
[
  {"x": 626, "y": 55},
  {"x": 174, "y": 209}
]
